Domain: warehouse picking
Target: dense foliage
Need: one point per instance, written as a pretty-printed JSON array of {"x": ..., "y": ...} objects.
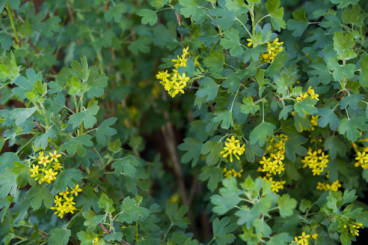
[{"x": 183, "y": 122}]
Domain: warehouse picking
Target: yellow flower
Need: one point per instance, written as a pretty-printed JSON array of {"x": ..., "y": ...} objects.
[
  {"x": 233, "y": 172},
  {"x": 95, "y": 241},
  {"x": 44, "y": 160},
  {"x": 332, "y": 187},
  {"x": 163, "y": 75},
  {"x": 232, "y": 147},
  {"x": 174, "y": 198},
  {"x": 49, "y": 176},
  {"x": 353, "y": 227},
  {"x": 54, "y": 155},
  {"x": 34, "y": 170},
  {"x": 314, "y": 236},
  {"x": 57, "y": 166},
  {"x": 75, "y": 190}
]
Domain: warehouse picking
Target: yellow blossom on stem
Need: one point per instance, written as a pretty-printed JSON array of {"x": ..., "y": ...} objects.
[
  {"x": 316, "y": 161},
  {"x": 95, "y": 241},
  {"x": 232, "y": 148},
  {"x": 75, "y": 190},
  {"x": 273, "y": 49},
  {"x": 303, "y": 239},
  {"x": 325, "y": 186},
  {"x": 54, "y": 155},
  {"x": 232, "y": 172}
]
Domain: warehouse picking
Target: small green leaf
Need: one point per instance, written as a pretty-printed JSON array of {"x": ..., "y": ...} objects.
[
  {"x": 38, "y": 194},
  {"x": 177, "y": 215},
  {"x": 276, "y": 13},
  {"x": 59, "y": 236},
  {"x": 148, "y": 16},
  {"x": 126, "y": 166},
  {"x": 225, "y": 117},
  {"x": 305, "y": 107},
  {"x": 208, "y": 89},
  {"x": 104, "y": 131},
  {"x": 286, "y": 205},
  {"x": 131, "y": 211},
  {"x": 248, "y": 106},
  {"x": 191, "y": 9},
  {"x": 193, "y": 150},
  {"x": 231, "y": 41},
  {"x": 328, "y": 116},
  {"x": 352, "y": 127},
  {"x": 222, "y": 231},
  {"x": 213, "y": 175},
  {"x": 261, "y": 132},
  {"x": 87, "y": 117},
  {"x": 106, "y": 203},
  {"x": 68, "y": 178}
]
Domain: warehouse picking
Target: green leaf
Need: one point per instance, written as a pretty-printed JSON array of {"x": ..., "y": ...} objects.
[
  {"x": 8, "y": 68},
  {"x": 228, "y": 198},
  {"x": 248, "y": 106},
  {"x": 276, "y": 13},
  {"x": 262, "y": 228},
  {"x": 299, "y": 23},
  {"x": 344, "y": 3},
  {"x": 80, "y": 70},
  {"x": 344, "y": 45},
  {"x": 43, "y": 139},
  {"x": 78, "y": 145},
  {"x": 231, "y": 41},
  {"x": 87, "y": 117},
  {"x": 284, "y": 113},
  {"x": 116, "y": 12},
  {"x": 23, "y": 114},
  {"x": 193, "y": 150},
  {"x": 106, "y": 203},
  {"x": 104, "y": 131},
  {"x": 191, "y": 9},
  {"x": 351, "y": 127},
  {"x": 177, "y": 215},
  {"x": 141, "y": 45},
  {"x": 59, "y": 236},
  {"x": 213, "y": 175},
  {"x": 131, "y": 211},
  {"x": 215, "y": 61},
  {"x": 293, "y": 147},
  {"x": 68, "y": 178},
  {"x": 222, "y": 230},
  {"x": 328, "y": 116},
  {"x": 208, "y": 89},
  {"x": 148, "y": 16},
  {"x": 86, "y": 237},
  {"x": 38, "y": 194},
  {"x": 96, "y": 83},
  {"x": 305, "y": 107},
  {"x": 126, "y": 166},
  {"x": 349, "y": 196},
  {"x": 8, "y": 183},
  {"x": 213, "y": 148},
  {"x": 354, "y": 16},
  {"x": 335, "y": 147},
  {"x": 282, "y": 238},
  {"x": 259, "y": 134},
  {"x": 364, "y": 70},
  {"x": 225, "y": 117},
  {"x": 286, "y": 205}
]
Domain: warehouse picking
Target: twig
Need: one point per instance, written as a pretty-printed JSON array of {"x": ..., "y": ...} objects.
[
  {"x": 12, "y": 22},
  {"x": 178, "y": 18},
  {"x": 70, "y": 11},
  {"x": 109, "y": 232}
]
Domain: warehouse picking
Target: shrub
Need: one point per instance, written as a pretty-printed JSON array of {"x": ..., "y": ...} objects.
[{"x": 183, "y": 121}]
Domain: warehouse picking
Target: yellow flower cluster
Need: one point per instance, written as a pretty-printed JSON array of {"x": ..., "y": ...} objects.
[
  {"x": 272, "y": 162},
  {"x": 232, "y": 147},
  {"x": 361, "y": 158},
  {"x": 232, "y": 172},
  {"x": 304, "y": 239},
  {"x": 273, "y": 49},
  {"x": 174, "y": 82},
  {"x": 64, "y": 201},
  {"x": 275, "y": 153},
  {"x": 325, "y": 186},
  {"x": 316, "y": 161},
  {"x": 45, "y": 170},
  {"x": 353, "y": 227},
  {"x": 310, "y": 92},
  {"x": 276, "y": 185}
]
